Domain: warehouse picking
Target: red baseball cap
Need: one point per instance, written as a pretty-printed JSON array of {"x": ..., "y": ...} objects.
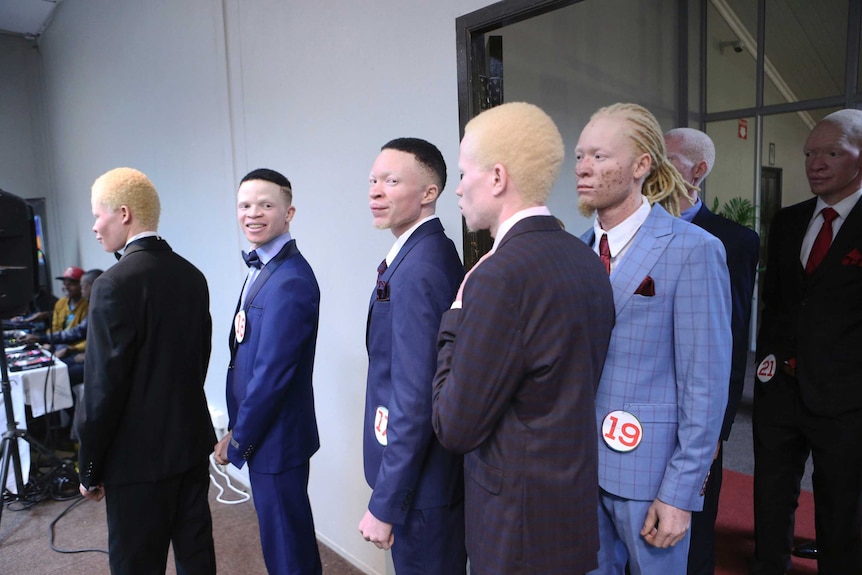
[{"x": 72, "y": 273}]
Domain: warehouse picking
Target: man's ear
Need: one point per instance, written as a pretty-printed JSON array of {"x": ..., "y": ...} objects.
[
  {"x": 125, "y": 214},
  {"x": 430, "y": 195},
  {"x": 291, "y": 211},
  {"x": 698, "y": 172},
  {"x": 501, "y": 179},
  {"x": 643, "y": 163}
]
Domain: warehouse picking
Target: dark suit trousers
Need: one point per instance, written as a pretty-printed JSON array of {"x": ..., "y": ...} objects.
[
  {"x": 286, "y": 524},
  {"x": 431, "y": 542},
  {"x": 144, "y": 518},
  {"x": 784, "y": 434},
  {"x": 701, "y": 553}
]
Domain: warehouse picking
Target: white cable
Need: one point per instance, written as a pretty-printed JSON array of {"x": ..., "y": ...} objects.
[{"x": 216, "y": 468}]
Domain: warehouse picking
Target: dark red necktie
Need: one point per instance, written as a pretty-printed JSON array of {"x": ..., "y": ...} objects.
[
  {"x": 822, "y": 241},
  {"x": 605, "y": 252}
]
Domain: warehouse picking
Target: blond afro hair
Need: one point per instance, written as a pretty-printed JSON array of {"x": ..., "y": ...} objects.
[
  {"x": 525, "y": 140},
  {"x": 131, "y": 188},
  {"x": 663, "y": 184}
]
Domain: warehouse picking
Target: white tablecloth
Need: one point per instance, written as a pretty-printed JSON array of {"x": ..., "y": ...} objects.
[{"x": 45, "y": 389}]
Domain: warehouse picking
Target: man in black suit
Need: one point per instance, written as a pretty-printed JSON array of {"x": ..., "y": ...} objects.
[
  {"x": 692, "y": 153},
  {"x": 148, "y": 433},
  {"x": 807, "y": 395}
]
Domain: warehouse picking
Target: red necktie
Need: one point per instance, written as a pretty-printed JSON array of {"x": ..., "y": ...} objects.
[
  {"x": 822, "y": 241},
  {"x": 605, "y": 252}
]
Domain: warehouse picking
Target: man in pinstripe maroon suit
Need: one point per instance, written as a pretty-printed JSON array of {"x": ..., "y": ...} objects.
[{"x": 521, "y": 354}]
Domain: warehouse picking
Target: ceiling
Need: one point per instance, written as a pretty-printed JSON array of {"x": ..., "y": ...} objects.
[{"x": 27, "y": 18}]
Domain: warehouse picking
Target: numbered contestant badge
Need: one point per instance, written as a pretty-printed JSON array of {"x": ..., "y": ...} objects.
[
  {"x": 381, "y": 422},
  {"x": 622, "y": 431},
  {"x": 239, "y": 326},
  {"x": 766, "y": 369}
]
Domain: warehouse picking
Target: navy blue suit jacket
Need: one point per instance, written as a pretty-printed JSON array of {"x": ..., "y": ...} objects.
[
  {"x": 742, "y": 246},
  {"x": 269, "y": 394},
  {"x": 412, "y": 470}
]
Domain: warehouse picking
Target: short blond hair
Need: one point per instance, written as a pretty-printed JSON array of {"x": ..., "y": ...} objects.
[
  {"x": 525, "y": 140},
  {"x": 663, "y": 184},
  {"x": 131, "y": 188}
]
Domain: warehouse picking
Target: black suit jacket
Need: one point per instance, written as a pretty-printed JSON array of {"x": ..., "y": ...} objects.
[
  {"x": 148, "y": 349},
  {"x": 515, "y": 390},
  {"x": 816, "y": 319},
  {"x": 742, "y": 246}
]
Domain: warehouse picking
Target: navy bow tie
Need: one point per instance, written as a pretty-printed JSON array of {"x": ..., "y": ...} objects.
[{"x": 251, "y": 259}]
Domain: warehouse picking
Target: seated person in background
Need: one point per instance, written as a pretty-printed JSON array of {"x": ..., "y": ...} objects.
[{"x": 74, "y": 338}]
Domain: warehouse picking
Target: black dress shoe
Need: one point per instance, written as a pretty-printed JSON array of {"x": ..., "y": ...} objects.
[{"x": 807, "y": 550}]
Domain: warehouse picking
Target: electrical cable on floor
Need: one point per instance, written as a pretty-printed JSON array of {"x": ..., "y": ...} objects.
[
  {"x": 217, "y": 468},
  {"x": 54, "y": 522}
]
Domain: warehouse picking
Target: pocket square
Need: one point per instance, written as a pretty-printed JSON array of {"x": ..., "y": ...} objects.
[
  {"x": 382, "y": 290},
  {"x": 854, "y": 258},
  {"x": 647, "y": 288}
]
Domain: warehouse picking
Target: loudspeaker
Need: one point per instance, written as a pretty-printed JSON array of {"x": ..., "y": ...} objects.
[{"x": 19, "y": 268}]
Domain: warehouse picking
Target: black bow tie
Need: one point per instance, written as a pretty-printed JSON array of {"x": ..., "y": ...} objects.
[{"x": 251, "y": 259}]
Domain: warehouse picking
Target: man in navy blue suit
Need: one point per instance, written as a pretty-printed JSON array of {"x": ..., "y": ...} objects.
[
  {"x": 270, "y": 400},
  {"x": 693, "y": 154},
  {"x": 417, "y": 503}
]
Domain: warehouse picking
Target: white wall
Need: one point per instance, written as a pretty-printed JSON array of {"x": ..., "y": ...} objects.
[
  {"x": 23, "y": 149},
  {"x": 197, "y": 93}
]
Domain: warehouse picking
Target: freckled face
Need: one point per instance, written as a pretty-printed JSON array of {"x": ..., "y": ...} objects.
[{"x": 605, "y": 166}]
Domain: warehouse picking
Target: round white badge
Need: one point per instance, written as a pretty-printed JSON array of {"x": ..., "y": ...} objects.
[
  {"x": 766, "y": 369},
  {"x": 622, "y": 431},
  {"x": 381, "y": 422},
  {"x": 239, "y": 326}
]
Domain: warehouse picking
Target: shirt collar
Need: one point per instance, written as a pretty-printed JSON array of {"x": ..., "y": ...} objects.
[
  {"x": 622, "y": 233},
  {"x": 514, "y": 219},
  {"x": 402, "y": 239},
  {"x": 690, "y": 213},
  {"x": 138, "y": 237},
  {"x": 271, "y": 248},
  {"x": 844, "y": 207}
]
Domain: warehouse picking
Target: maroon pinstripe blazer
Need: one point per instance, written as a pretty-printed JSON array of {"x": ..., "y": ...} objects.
[{"x": 515, "y": 389}]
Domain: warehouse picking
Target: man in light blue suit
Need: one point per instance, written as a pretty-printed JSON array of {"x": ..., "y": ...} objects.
[
  {"x": 663, "y": 391},
  {"x": 270, "y": 399},
  {"x": 417, "y": 503}
]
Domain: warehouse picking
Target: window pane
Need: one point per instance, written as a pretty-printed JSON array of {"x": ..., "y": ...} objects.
[
  {"x": 731, "y": 55},
  {"x": 805, "y": 50}
]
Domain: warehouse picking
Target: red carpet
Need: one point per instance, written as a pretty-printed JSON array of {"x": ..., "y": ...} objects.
[{"x": 734, "y": 545}]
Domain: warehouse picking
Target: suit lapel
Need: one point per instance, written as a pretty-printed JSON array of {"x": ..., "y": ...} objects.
[
  {"x": 646, "y": 247},
  {"x": 430, "y": 227},
  {"x": 289, "y": 250}
]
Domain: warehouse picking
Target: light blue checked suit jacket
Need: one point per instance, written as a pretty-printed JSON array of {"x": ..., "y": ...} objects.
[{"x": 668, "y": 362}]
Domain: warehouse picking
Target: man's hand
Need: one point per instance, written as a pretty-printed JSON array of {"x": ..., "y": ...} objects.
[
  {"x": 97, "y": 494},
  {"x": 221, "y": 449},
  {"x": 665, "y": 525},
  {"x": 29, "y": 338},
  {"x": 61, "y": 353},
  {"x": 376, "y": 531}
]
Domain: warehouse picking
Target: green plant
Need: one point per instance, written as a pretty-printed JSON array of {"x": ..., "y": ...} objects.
[{"x": 739, "y": 210}]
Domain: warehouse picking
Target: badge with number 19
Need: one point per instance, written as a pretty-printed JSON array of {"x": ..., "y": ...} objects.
[{"x": 622, "y": 431}]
